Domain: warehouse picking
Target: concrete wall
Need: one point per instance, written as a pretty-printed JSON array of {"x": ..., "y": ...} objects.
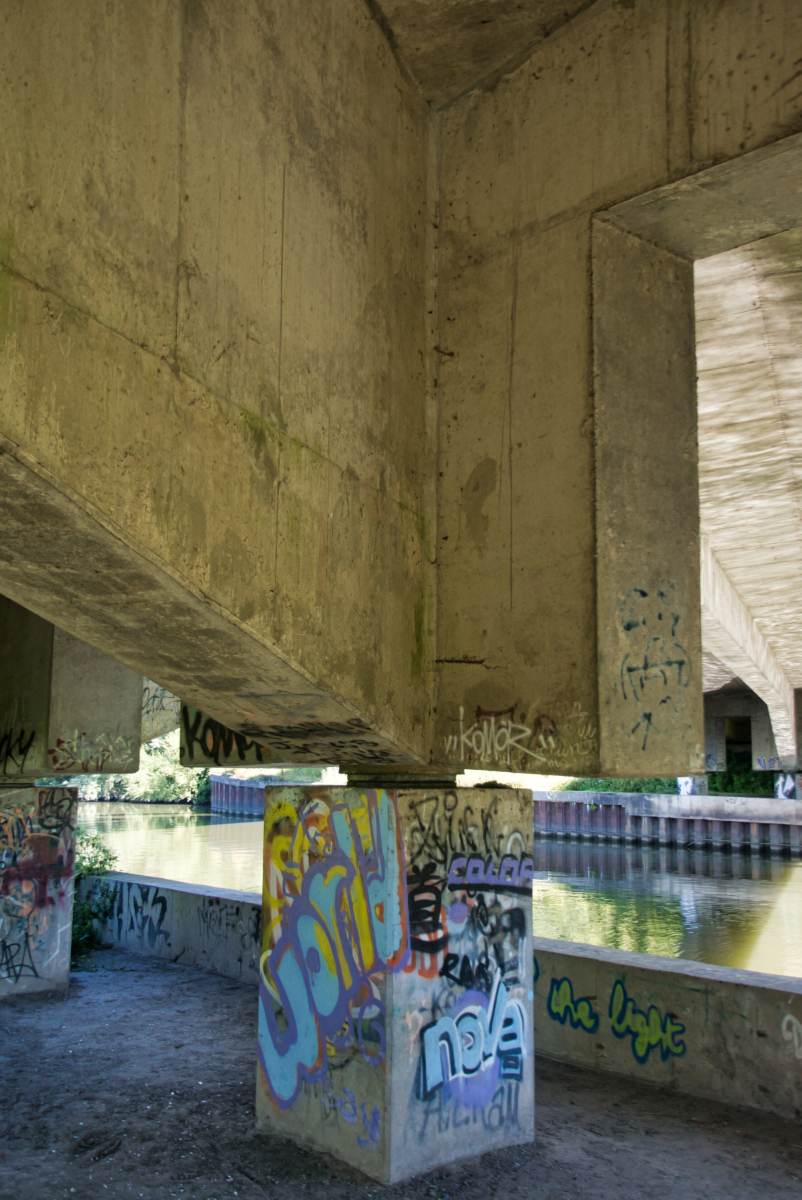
[
  {"x": 716, "y": 1032},
  {"x": 37, "y": 857},
  {"x": 242, "y": 797},
  {"x": 740, "y": 823},
  {"x": 213, "y": 928},
  {"x": 669, "y": 804},
  {"x": 213, "y": 273},
  {"x": 623, "y": 99}
]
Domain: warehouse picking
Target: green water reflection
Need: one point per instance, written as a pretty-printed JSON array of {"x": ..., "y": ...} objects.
[
  {"x": 734, "y": 910},
  {"x": 730, "y": 909}
]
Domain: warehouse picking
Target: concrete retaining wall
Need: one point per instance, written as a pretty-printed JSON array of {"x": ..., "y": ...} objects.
[
  {"x": 716, "y": 1032},
  {"x": 240, "y": 797},
  {"x": 741, "y": 822},
  {"x": 730, "y": 1035},
  {"x": 184, "y": 922}
]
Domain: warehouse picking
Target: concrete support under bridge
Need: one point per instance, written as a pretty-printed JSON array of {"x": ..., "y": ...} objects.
[{"x": 395, "y": 1008}]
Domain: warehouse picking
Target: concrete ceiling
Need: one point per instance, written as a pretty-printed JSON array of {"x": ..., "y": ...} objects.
[{"x": 451, "y": 45}]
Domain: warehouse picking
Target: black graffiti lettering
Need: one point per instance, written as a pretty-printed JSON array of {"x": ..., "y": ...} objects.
[
  {"x": 15, "y": 747},
  {"x": 190, "y": 732},
  {"x": 16, "y": 960},
  {"x": 425, "y": 898}
]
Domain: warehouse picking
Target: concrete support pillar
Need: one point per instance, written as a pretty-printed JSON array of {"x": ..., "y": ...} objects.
[
  {"x": 36, "y": 888},
  {"x": 395, "y": 1010},
  {"x": 65, "y": 708},
  {"x": 648, "y": 599},
  {"x": 795, "y": 839}
]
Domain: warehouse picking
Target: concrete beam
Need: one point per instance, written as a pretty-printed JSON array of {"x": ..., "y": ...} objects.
[{"x": 730, "y": 632}]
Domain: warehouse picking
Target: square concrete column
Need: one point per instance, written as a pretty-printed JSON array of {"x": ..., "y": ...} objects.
[
  {"x": 37, "y": 857},
  {"x": 395, "y": 1009}
]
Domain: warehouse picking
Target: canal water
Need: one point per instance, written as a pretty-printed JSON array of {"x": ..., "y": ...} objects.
[{"x": 735, "y": 910}]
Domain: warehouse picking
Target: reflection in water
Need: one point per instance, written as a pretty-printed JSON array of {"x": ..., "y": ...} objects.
[
  {"x": 732, "y": 909},
  {"x": 736, "y": 910},
  {"x": 173, "y": 841}
]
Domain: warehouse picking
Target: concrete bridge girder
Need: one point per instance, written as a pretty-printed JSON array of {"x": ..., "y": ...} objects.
[{"x": 333, "y": 388}]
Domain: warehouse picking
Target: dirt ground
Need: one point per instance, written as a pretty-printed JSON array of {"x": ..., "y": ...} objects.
[{"x": 140, "y": 1083}]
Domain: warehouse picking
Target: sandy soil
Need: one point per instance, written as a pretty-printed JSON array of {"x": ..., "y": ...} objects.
[{"x": 139, "y": 1083}]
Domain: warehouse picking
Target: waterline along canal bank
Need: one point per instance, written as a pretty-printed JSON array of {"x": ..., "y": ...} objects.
[{"x": 725, "y": 908}]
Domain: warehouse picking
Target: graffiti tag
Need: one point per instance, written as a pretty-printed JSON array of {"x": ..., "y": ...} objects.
[
  {"x": 561, "y": 1006},
  {"x": 648, "y": 1030},
  {"x": 15, "y": 746},
  {"x": 343, "y": 917},
  {"x": 792, "y": 1032},
  {"x": 484, "y": 1032}
]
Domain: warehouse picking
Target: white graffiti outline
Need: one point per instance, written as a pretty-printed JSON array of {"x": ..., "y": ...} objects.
[{"x": 792, "y": 1032}]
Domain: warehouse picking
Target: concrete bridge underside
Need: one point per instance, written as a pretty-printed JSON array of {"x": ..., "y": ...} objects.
[{"x": 348, "y": 358}]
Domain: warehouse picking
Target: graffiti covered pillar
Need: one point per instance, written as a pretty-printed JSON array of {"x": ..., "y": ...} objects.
[
  {"x": 36, "y": 888},
  {"x": 395, "y": 1009}
]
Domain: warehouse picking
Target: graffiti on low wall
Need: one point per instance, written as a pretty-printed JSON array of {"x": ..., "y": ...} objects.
[
  {"x": 36, "y": 883},
  {"x": 139, "y": 915},
  {"x": 648, "y": 1030},
  {"x": 562, "y": 1007},
  {"x": 194, "y": 929}
]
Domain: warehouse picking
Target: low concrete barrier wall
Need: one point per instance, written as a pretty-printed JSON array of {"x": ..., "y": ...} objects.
[
  {"x": 184, "y": 922},
  {"x": 716, "y": 1032},
  {"x": 737, "y": 822}
]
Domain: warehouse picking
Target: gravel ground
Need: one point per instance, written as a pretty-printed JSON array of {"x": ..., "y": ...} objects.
[{"x": 140, "y": 1083}]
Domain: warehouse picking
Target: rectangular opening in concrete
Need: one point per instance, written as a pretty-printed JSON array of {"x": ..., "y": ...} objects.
[{"x": 699, "y": 526}]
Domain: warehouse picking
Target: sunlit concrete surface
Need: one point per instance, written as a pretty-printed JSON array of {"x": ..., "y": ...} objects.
[
  {"x": 749, "y": 355},
  {"x": 151, "y": 1095}
]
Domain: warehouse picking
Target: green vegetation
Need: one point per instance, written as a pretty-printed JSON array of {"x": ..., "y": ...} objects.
[
  {"x": 661, "y": 785},
  {"x": 740, "y": 780},
  {"x": 91, "y": 858}
]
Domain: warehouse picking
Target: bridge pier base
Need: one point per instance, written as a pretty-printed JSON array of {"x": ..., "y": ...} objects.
[
  {"x": 37, "y": 858},
  {"x": 395, "y": 1010}
]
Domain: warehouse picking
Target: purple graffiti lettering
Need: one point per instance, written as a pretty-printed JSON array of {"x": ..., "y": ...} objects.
[
  {"x": 481, "y": 1039},
  {"x": 372, "y": 1127},
  {"x": 475, "y": 873},
  {"x": 348, "y": 921},
  {"x": 454, "y": 878},
  {"x": 526, "y": 872},
  {"x": 512, "y": 874},
  {"x": 508, "y": 875}
]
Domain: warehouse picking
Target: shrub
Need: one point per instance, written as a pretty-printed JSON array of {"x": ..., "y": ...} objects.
[
  {"x": 660, "y": 785},
  {"x": 91, "y": 858}
]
